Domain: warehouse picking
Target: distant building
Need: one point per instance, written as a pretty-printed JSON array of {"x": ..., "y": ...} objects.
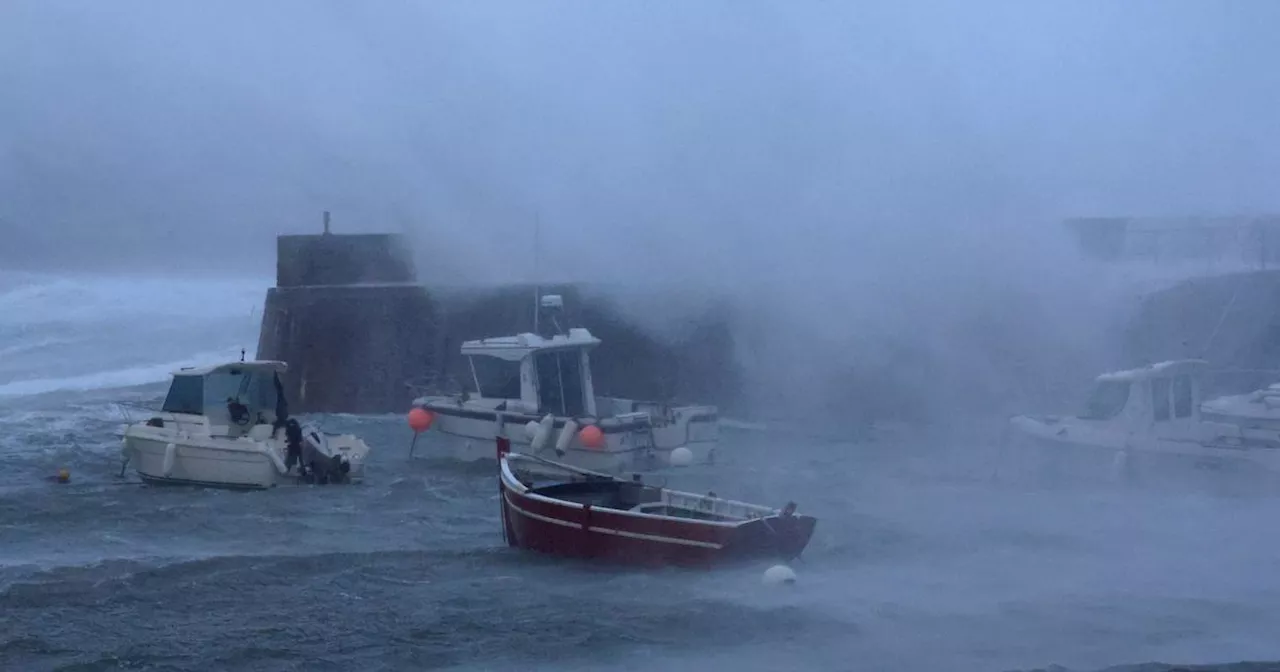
[{"x": 1249, "y": 241}]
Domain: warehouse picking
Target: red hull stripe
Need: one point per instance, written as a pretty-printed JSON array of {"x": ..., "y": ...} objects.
[{"x": 605, "y": 530}]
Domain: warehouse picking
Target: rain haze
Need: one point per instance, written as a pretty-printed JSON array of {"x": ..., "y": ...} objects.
[{"x": 876, "y": 189}]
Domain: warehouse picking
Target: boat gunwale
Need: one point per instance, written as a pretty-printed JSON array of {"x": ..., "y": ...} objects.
[{"x": 511, "y": 483}]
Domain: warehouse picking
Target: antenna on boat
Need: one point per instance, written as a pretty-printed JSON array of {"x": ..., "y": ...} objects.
[
  {"x": 537, "y": 289},
  {"x": 1222, "y": 317}
]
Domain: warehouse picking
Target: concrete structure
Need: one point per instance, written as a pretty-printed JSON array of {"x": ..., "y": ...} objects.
[
  {"x": 1208, "y": 289},
  {"x": 349, "y": 317},
  {"x": 1232, "y": 321},
  {"x": 361, "y": 336},
  {"x": 1252, "y": 241}
]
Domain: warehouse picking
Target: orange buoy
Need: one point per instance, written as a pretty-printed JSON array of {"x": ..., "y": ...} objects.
[
  {"x": 420, "y": 419},
  {"x": 591, "y": 437}
]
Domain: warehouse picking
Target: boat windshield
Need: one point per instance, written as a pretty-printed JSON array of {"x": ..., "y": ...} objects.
[
  {"x": 496, "y": 378},
  {"x": 186, "y": 395},
  {"x": 560, "y": 382},
  {"x": 1107, "y": 400},
  {"x": 251, "y": 389}
]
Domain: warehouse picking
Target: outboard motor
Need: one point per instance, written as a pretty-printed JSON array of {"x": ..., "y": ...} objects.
[
  {"x": 322, "y": 467},
  {"x": 339, "y": 467}
]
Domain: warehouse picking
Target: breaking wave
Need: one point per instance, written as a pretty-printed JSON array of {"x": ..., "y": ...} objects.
[{"x": 75, "y": 333}]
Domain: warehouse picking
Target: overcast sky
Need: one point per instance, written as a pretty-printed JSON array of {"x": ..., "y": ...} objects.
[
  {"x": 670, "y": 134},
  {"x": 880, "y": 182}
]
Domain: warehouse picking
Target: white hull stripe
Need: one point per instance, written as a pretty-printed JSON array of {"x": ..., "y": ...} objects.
[
  {"x": 605, "y": 530},
  {"x": 571, "y": 449}
]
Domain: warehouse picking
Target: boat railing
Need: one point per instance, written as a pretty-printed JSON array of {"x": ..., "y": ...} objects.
[
  {"x": 715, "y": 505},
  {"x": 127, "y": 410},
  {"x": 436, "y": 384}
]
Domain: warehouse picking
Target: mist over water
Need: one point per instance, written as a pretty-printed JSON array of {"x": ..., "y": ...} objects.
[{"x": 870, "y": 191}]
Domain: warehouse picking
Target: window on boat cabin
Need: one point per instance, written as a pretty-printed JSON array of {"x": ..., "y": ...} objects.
[
  {"x": 1160, "y": 398},
  {"x": 1107, "y": 400},
  {"x": 250, "y": 388},
  {"x": 1183, "y": 403},
  {"x": 186, "y": 395},
  {"x": 560, "y": 382},
  {"x": 496, "y": 378}
]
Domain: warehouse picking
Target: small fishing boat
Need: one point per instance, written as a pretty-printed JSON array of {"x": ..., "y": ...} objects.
[
  {"x": 541, "y": 384},
  {"x": 228, "y": 426},
  {"x": 563, "y": 510},
  {"x": 1152, "y": 421}
]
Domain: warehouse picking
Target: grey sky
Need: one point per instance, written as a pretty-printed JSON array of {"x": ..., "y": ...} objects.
[{"x": 679, "y": 132}]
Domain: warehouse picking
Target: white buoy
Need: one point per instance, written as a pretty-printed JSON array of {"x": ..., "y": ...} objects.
[
  {"x": 778, "y": 575},
  {"x": 681, "y": 457},
  {"x": 531, "y": 429}
]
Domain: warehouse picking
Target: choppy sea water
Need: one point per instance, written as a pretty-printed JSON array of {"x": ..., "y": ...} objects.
[{"x": 920, "y": 561}]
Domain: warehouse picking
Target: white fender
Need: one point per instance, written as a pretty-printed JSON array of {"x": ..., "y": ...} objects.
[
  {"x": 273, "y": 455},
  {"x": 566, "y": 435},
  {"x": 542, "y": 434},
  {"x": 170, "y": 456}
]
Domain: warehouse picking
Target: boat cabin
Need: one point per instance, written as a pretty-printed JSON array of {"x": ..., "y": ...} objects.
[
  {"x": 535, "y": 374},
  {"x": 1159, "y": 394},
  {"x": 238, "y": 395}
]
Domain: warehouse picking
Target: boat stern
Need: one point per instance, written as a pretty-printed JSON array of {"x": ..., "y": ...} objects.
[
  {"x": 353, "y": 449},
  {"x": 779, "y": 537}
]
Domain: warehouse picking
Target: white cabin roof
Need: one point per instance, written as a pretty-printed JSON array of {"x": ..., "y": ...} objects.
[
  {"x": 257, "y": 365},
  {"x": 516, "y": 348},
  {"x": 1169, "y": 368}
]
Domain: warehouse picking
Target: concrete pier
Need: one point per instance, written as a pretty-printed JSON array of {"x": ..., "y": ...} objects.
[
  {"x": 1230, "y": 320},
  {"x": 350, "y": 319},
  {"x": 361, "y": 335}
]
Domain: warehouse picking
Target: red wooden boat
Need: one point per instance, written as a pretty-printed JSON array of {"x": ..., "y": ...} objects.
[{"x": 563, "y": 510}]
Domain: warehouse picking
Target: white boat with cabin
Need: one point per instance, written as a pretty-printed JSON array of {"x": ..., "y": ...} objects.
[
  {"x": 1152, "y": 421},
  {"x": 540, "y": 385},
  {"x": 228, "y": 426}
]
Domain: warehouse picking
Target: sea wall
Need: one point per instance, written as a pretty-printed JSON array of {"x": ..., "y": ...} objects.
[{"x": 360, "y": 336}]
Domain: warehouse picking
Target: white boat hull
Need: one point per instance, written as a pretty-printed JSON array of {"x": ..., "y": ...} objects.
[
  {"x": 206, "y": 465},
  {"x": 471, "y": 439},
  {"x": 227, "y": 426},
  {"x": 1045, "y": 455},
  {"x": 166, "y": 457}
]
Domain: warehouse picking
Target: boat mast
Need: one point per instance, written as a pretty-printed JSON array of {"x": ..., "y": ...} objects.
[{"x": 537, "y": 289}]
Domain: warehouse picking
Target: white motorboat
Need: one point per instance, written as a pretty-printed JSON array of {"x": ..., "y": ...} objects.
[
  {"x": 1257, "y": 410},
  {"x": 1152, "y": 421},
  {"x": 541, "y": 387},
  {"x": 228, "y": 426}
]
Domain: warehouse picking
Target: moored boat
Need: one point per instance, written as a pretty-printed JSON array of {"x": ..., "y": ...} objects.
[
  {"x": 228, "y": 426},
  {"x": 1151, "y": 422},
  {"x": 563, "y": 510},
  {"x": 542, "y": 385}
]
